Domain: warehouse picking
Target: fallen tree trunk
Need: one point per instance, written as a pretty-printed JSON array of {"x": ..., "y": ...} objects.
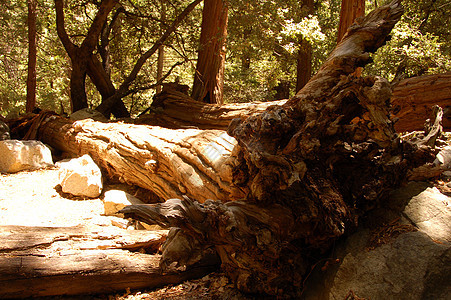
[
  {"x": 43, "y": 261},
  {"x": 170, "y": 163},
  {"x": 414, "y": 98},
  {"x": 301, "y": 173},
  {"x": 174, "y": 109}
]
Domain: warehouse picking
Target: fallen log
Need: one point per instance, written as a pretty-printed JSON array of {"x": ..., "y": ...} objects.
[
  {"x": 170, "y": 163},
  {"x": 300, "y": 174},
  {"x": 43, "y": 261},
  {"x": 414, "y": 98},
  {"x": 174, "y": 109}
]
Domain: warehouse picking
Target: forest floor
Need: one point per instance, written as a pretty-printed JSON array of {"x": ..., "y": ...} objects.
[{"x": 34, "y": 198}]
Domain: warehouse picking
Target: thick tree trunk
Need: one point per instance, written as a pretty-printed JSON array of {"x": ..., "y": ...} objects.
[
  {"x": 350, "y": 10},
  {"x": 300, "y": 174},
  {"x": 414, "y": 98},
  {"x": 44, "y": 261},
  {"x": 171, "y": 163},
  {"x": 304, "y": 59},
  {"x": 209, "y": 77}
]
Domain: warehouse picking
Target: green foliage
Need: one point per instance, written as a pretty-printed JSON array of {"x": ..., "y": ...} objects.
[
  {"x": 420, "y": 42},
  {"x": 262, "y": 45}
]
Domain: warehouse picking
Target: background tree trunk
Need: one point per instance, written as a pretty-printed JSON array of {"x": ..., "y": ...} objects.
[
  {"x": 304, "y": 59},
  {"x": 350, "y": 10},
  {"x": 31, "y": 79},
  {"x": 160, "y": 61},
  {"x": 209, "y": 77}
]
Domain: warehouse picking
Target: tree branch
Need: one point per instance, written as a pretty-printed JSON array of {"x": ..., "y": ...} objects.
[
  {"x": 95, "y": 29},
  {"x": 61, "y": 31}
]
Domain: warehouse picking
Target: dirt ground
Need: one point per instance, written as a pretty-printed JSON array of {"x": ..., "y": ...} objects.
[{"x": 34, "y": 198}]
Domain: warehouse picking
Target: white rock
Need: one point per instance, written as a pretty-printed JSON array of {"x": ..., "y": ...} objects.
[
  {"x": 81, "y": 177},
  {"x": 115, "y": 200},
  {"x": 23, "y": 155}
]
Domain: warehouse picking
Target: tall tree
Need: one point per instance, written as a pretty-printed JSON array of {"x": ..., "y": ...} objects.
[
  {"x": 85, "y": 62},
  {"x": 81, "y": 55},
  {"x": 304, "y": 59},
  {"x": 209, "y": 76},
  {"x": 160, "y": 60},
  {"x": 31, "y": 79},
  {"x": 350, "y": 10}
]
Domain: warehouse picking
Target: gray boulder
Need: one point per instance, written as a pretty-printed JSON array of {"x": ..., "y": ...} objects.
[
  {"x": 80, "y": 177},
  {"x": 410, "y": 265},
  {"x": 23, "y": 155}
]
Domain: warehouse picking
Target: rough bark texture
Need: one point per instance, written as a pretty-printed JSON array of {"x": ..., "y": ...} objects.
[
  {"x": 209, "y": 77},
  {"x": 301, "y": 173},
  {"x": 414, "y": 98},
  {"x": 309, "y": 168},
  {"x": 171, "y": 163},
  {"x": 174, "y": 109},
  {"x": 44, "y": 261}
]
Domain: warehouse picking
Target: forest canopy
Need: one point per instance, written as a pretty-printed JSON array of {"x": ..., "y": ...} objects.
[{"x": 263, "y": 39}]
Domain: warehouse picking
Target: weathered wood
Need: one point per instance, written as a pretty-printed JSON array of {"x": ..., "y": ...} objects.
[
  {"x": 42, "y": 261},
  {"x": 310, "y": 168},
  {"x": 171, "y": 163},
  {"x": 302, "y": 173},
  {"x": 414, "y": 98},
  {"x": 174, "y": 109}
]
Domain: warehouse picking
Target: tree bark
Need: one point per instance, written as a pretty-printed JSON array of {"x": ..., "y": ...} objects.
[
  {"x": 350, "y": 10},
  {"x": 304, "y": 59},
  {"x": 44, "y": 261},
  {"x": 171, "y": 163},
  {"x": 173, "y": 109},
  {"x": 304, "y": 64},
  {"x": 300, "y": 174},
  {"x": 80, "y": 55},
  {"x": 413, "y": 99},
  {"x": 209, "y": 76},
  {"x": 31, "y": 79}
]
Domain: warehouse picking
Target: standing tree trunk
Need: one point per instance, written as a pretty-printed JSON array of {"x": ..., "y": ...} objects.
[
  {"x": 31, "y": 79},
  {"x": 80, "y": 55},
  {"x": 304, "y": 59},
  {"x": 350, "y": 10},
  {"x": 160, "y": 61},
  {"x": 304, "y": 64},
  {"x": 209, "y": 76}
]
